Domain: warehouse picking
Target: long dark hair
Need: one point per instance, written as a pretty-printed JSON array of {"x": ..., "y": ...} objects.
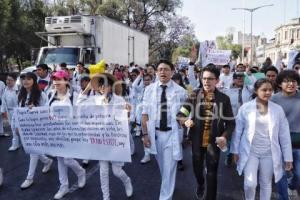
[
  {"x": 177, "y": 76},
  {"x": 258, "y": 84},
  {"x": 35, "y": 94}
]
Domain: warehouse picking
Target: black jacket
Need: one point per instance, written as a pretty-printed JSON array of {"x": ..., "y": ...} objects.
[{"x": 223, "y": 122}]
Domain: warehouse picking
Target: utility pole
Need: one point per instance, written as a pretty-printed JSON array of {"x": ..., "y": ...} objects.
[{"x": 251, "y": 10}]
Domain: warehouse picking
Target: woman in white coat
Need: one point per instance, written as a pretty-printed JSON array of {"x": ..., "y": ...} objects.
[
  {"x": 107, "y": 94},
  {"x": 63, "y": 96},
  {"x": 31, "y": 96},
  {"x": 9, "y": 103},
  {"x": 261, "y": 141}
]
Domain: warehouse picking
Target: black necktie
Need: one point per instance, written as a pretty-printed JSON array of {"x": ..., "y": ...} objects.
[
  {"x": 240, "y": 97},
  {"x": 163, "y": 109}
]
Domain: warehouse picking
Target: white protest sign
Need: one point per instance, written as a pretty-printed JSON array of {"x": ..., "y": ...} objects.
[
  {"x": 182, "y": 61},
  {"x": 205, "y": 47},
  {"x": 292, "y": 56},
  {"x": 218, "y": 57},
  {"x": 83, "y": 132}
]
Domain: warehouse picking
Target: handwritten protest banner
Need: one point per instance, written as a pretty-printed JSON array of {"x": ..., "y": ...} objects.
[
  {"x": 218, "y": 57},
  {"x": 84, "y": 132},
  {"x": 206, "y": 47}
]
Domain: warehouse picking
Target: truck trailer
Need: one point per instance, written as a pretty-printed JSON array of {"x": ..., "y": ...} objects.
[{"x": 89, "y": 39}]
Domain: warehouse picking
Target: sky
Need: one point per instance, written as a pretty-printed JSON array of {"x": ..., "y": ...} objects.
[{"x": 212, "y": 18}]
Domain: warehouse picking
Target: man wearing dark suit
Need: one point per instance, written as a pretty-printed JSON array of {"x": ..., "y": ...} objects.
[{"x": 209, "y": 116}]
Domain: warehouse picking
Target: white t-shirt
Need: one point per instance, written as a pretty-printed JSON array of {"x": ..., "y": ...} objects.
[
  {"x": 261, "y": 143},
  {"x": 225, "y": 81}
]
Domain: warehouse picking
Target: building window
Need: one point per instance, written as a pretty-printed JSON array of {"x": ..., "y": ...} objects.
[
  {"x": 298, "y": 33},
  {"x": 285, "y": 35}
]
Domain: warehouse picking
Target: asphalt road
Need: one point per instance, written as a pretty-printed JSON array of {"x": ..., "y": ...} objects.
[{"x": 145, "y": 179}]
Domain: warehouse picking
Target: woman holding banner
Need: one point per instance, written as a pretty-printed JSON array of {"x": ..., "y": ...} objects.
[
  {"x": 63, "y": 96},
  {"x": 31, "y": 96},
  {"x": 107, "y": 94}
]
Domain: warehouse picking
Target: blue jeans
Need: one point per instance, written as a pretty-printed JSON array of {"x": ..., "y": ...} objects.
[
  {"x": 295, "y": 183},
  {"x": 282, "y": 188}
]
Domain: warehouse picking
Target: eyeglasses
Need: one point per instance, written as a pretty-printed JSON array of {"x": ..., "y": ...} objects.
[
  {"x": 208, "y": 78},
  {"x": 289, "y": 81}
]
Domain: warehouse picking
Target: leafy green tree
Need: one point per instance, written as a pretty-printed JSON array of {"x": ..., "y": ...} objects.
[
  {"x": 226, "y": 43},
  {"x": 4, "y": 21}
]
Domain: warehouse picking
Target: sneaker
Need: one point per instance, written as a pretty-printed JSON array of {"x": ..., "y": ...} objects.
[
  {"x": 63, "y": 190},
  {"x": 47, "y": 166},
  {"x": 82, "y": 179},
  {"x": 145, "y": 159},
  {"x": 26, "y": 184},
  {"x": 180, "y": 165},
  {"x": 1, "y": 177},
  {"x": 128, "y": 188},
  {"x": 200, "y": 192},
  {"x": 13, "y": 148}
]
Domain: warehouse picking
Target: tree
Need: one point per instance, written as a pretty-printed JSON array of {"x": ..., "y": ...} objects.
[
  {"x": 225, "y": 43},
  {"x": 24, "y": 18},
  {"x": 4, "y": 21},
  {"x": 157, "y": 18},
  {"x": 184, "y": 47}
]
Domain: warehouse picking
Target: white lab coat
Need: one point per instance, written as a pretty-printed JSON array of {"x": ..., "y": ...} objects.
[
  {"x": 64, "y": 163},
  {"x": 104, "y": 165},
  {"x": 9, "y": 101},
  {"x": 233, "y": 94},
  {"x": 2, "y": 88},
  {"x": 278, "y": 131},
  {"x": 150, "y": 101}
]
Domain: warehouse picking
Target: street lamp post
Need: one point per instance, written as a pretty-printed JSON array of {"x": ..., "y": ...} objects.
[{"x": 251, "y": 10}]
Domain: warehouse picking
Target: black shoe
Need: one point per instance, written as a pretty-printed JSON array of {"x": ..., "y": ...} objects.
[
  {"x": 200, "y": 191},
  {"x": 180, "y": 166}
]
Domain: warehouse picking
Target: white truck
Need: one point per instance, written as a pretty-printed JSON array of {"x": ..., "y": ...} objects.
[{"x": 89, "y": 39}]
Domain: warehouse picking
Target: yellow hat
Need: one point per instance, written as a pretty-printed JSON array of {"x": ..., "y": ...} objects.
[{"x": 97, "y": 68}]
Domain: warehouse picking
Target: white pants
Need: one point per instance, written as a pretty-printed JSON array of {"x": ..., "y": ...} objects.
[
  {"x": 34, "y": 158},
  {"x": 167, "y": 165},
  {"x": 16, "y": 138},
  {"x": 1, "y": 125},
  {"x": 132, "y": 145},
  {"x": 263, "y": 165},
  {"x": 104, "y": 176},
  {"x": 63, "y": 164}
]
